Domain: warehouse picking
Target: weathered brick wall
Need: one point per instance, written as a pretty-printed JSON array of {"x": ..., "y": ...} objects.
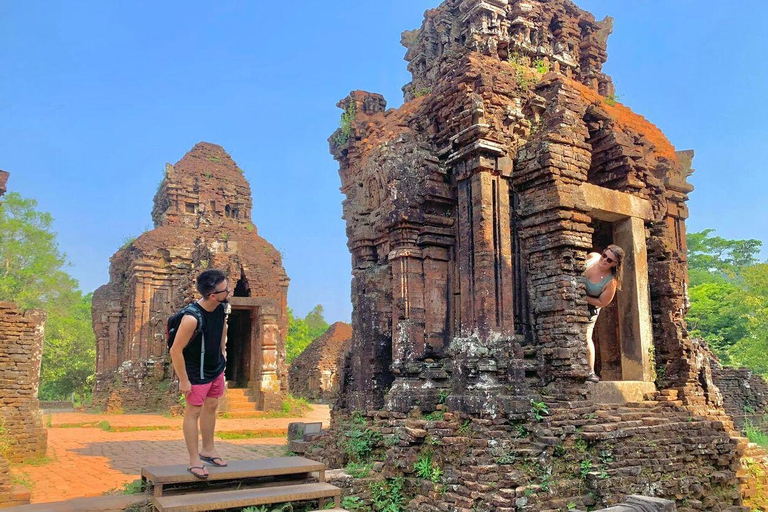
[
  {"x": 317, "y": 372},
  {"x": 21, "y": 348},
  {"x": 745, "y": 394},
  {"x": 137, "y": 386},
  {"x": 579, "y": 455}
]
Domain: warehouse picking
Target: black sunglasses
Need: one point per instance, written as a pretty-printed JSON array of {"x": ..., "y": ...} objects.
[
  {"x": 609, "y": 260},
  {"x": 221, "y": 291}
]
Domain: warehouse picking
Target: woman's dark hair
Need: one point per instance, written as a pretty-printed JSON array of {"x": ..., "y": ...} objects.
[
  {"x": 618, "y": 270},
  {"x": 208, "y": 280}
]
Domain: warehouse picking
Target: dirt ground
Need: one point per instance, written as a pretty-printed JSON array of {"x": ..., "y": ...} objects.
[{"x": 88, "y": 457}]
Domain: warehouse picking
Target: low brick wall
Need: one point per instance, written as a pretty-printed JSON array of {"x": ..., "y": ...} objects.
[{"x": 21, "y": 346}]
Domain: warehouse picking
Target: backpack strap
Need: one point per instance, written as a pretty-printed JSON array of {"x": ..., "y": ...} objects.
[{"x": 194, "y": 310}]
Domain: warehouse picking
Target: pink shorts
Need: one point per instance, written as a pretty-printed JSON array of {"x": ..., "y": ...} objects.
[{"x": 200, "y": 392}]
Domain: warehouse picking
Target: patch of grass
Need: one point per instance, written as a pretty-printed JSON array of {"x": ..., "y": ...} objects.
[
  {"x": 215, "y": 159},
  {"x": 435, "y": 416},
  {"x": 127, "y": 241},
  {"x": 23, "y": 479},
  {"x": 295, "y": 407},
  {"x": 612, "y": 99},
  {"x": 755, "y": 435},
  {"x": 250, "y": 434},
  {"x": 38, "y": 461},
  {"x": 423, "y": 91}
]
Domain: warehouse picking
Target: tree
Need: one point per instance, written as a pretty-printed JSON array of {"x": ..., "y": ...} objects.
[
  {"x": 32, "y": 275},
  {"x": 301, "y": 332},
  {"x": 729, "y": 298}
]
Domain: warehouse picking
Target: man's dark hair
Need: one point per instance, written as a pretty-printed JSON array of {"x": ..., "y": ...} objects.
[{"x": 208, "y": 280}]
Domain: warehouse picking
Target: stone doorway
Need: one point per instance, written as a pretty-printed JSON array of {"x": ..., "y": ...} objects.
[
  {"x": 623, "y": 334},
  {"x": 239, "y": 341}
]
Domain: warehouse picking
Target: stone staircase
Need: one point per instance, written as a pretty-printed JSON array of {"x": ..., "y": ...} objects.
[
  {"x": 241, "y": 484},
  {"x": 240, "y": 403}
]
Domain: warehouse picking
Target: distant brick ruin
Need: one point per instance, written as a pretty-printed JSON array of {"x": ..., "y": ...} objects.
[
  {"x": 470, "y": 211},
  {"x": 202, "y": 217},
  {"x": 22, "y": 433},
  {"x": 316, "y": 373}
]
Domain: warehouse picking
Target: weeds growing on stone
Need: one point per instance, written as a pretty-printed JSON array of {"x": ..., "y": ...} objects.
[
  {"x": 345, "y": 125},
  {"x": 539, "y": 410},
  {"x": 425, "y": 467},
  {"x": 388, "y": 495},
  {"x": 352, "y": 503},
  {"x": 359, "y": 469}
]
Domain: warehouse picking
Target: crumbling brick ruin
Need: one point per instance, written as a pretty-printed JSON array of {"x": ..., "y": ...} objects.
[
  {"x": 202, "y": 217},
  {"x": 745, "y": 394},
  {"x": 470, "y": 211},
  {"x": 316, "y": 373},
  {"x": 22, "y": 434}
]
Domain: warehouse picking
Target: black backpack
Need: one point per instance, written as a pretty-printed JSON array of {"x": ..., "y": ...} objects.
[{"x": 172, "y": 326}]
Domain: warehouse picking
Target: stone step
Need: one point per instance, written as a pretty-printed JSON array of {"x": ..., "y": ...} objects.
[
  {"x": 238, "y": 469},
  {"x": 200, "y": 502},
  {"x": 240, "y": 392}
]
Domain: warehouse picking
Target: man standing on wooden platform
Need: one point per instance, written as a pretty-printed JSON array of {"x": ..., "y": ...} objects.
[{"x": 198, "y": 357}]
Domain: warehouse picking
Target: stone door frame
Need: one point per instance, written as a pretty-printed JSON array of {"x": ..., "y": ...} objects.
[
  {"x": 265, "y": 334},
  {"x": 627, "y": 214}
]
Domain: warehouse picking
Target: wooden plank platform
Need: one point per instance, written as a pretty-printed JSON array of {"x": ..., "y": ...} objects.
[
  {"x": 200, "y": 502},
  {"x": 274, "y": 466}
]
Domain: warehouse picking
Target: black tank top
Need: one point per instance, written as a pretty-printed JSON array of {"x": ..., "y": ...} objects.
[{"x": 213, "y": 360}]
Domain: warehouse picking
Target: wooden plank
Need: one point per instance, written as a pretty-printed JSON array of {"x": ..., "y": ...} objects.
[
  {"x": 274, "y": 466},
  {"x": 200, "y": 502}
]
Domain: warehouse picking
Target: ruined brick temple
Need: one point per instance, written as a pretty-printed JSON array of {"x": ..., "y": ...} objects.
[
  {"x": 316, "y": 373},
  {"x": 202, "y": 218},
  {"x": 22, "y": 434},
  {"x": 470, "y": 211}
]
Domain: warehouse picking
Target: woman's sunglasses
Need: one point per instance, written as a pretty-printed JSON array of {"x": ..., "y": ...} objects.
[{"x": 609, "y": 260}]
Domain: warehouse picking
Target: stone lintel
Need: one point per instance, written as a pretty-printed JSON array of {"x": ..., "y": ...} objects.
[
  {"x": 253, "y": 302},
  {"x": 612, "y": 205}
]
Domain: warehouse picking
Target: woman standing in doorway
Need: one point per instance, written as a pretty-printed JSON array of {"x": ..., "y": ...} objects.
[{"x": 602, "y": 278}]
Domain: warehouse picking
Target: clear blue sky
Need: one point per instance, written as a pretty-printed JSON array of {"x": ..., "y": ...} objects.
[{"x": 95, "y": 97}]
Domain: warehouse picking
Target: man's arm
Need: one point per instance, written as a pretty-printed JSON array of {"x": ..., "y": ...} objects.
[
  {"x": 183, "y": 337},
  {"x": 224, "y": 337}
]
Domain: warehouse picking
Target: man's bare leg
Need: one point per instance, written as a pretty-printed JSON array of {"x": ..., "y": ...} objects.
[
  {"x": 207, "y": 427},
  {"x": 191, "y": 415}
]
